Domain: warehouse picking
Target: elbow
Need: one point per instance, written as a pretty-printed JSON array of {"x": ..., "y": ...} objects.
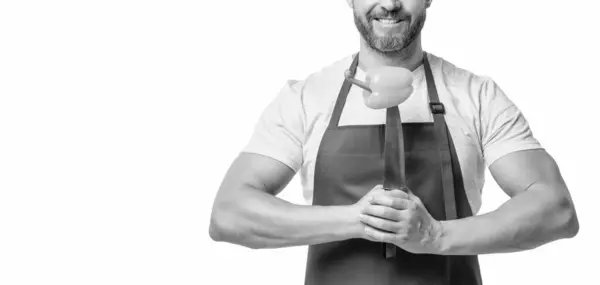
[
  {"x": 226, "y": 226},
  {"x": 571, "y": 227},
  {"x": 222, "y": 224},
  {"x": 215, "y": 230},
  {"x": 569, "y": 223}
]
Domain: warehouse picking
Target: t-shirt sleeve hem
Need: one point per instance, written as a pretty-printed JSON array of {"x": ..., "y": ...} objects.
[
  {"x": 294, "y": 165},
  {"x": 499, "y": 152}
]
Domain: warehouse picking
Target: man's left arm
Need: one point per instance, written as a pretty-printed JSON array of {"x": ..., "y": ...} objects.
[{"x": 539, "y": 211}]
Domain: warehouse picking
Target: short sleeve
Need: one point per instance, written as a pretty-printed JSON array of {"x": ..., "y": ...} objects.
[
  {"x": 279, "y": 132},
  {"x": 504, "y": 128}
]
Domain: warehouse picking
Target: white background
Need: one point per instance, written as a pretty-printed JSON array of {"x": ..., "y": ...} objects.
[{"x": 118, "y": 120}]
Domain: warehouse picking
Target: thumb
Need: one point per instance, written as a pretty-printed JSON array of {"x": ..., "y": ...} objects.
[
  {"x": 413, "y": 197},
  {"x": 405, "y": 189}
]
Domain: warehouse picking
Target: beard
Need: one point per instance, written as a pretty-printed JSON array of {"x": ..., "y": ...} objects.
[{"x": 389, "y": 44}]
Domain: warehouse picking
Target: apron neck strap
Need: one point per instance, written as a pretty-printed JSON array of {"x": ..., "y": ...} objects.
[
  {"x": 343, "y": 94},
  {"x": 437, "y": 108},
  {"x": 443, "y": 139}
]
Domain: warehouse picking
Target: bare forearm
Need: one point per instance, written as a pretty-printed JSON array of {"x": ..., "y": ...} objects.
[
  {"x": 260, "y": 220},
  {"x": 526, "y": 221}
]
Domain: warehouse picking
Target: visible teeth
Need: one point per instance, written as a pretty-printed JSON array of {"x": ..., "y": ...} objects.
[{"x": 388, "y": 21}]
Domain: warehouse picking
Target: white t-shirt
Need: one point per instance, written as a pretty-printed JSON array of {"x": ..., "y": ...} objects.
[{"x": 484, "y": 124}]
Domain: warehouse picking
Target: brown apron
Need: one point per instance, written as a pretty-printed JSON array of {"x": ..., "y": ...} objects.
[{"x": 350, "y": 162}]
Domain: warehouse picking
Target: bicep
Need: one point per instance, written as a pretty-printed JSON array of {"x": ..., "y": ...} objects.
[
  {"x": 519, "y": 170},
  {"x": 254, "y": 172},
  {"x": 274, "y": 153},
  {"x": 516, "y": 159}
]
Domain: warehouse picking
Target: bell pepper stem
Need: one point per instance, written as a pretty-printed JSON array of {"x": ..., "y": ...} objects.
[{"x": 356, "y": 82}]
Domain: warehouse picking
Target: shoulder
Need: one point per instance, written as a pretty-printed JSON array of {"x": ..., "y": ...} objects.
[
  {"x": 322, "y": 86},
  {"x": 319, "y": 84},
  {"x": 315, "y": 94},
  {"x": 470, "y": 93},
  {"x": 301, "y": 101},
  {"x": 458, "y": 78},
  {"x": 331, "y": 71}
]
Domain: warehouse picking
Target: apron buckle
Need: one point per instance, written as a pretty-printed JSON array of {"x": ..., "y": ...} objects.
[{"x": 437, "y": 108}]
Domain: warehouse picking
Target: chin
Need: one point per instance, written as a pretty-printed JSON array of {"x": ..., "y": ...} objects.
[{"x": 388, "y": 45}]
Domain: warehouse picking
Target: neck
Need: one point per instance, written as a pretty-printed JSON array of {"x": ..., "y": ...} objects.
[{"x": 409, "y": 58}]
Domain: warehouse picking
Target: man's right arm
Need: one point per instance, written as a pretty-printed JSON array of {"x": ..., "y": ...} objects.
[{"x": 247, "y": 211}]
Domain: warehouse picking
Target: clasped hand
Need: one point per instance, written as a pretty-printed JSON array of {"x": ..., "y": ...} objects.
[{"x": 398, "y": 217}]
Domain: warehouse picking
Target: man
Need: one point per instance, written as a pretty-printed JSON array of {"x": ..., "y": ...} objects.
[{"x": 456, "y": 123}]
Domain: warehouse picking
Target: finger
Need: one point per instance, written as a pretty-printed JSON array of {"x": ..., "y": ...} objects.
[
  {"x": 410, "y": 194},
  {"x": 405, "y": 189},
  {"x": 396, "y": 203},
  {"x": 374, "y": 234},
  {"x": 376, "y": 190},
  {"x": 405, "y": 215},
  {"x": 382, "y": 212},
  {"x": 396, "y": 193},
  {"x": 379, "y": 223},
  {"x": 404, "y": 228}
]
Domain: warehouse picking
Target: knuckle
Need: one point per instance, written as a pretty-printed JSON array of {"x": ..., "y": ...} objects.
[
  {"x": 402, "y": 238},
  {"x": 397, "y": 203},
  {"x": 391, "y": 226},
  {"x": 366, "y": 218},
  {"x": 386, "y": 212},
  {"x": 410, "y": 216},
  {"x": 364, "y": 232},
  {"x": 405, "y": 228},
  {"x": 418, "y": 200},
  {"x": 397, "y": 216},
  {"x": 370, "y": 233},
  {"x": 403, "y": 204},
  {"x": 412, "y": 206},
  {"x": 398, "y": 228},
  {"x": 385, "y": 224},
  {"x": 380, "y": 210},
  {"x": 386, "y": 200}
]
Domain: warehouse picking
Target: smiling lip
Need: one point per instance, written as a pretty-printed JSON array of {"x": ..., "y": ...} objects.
[{"x": 388, "y": 21}]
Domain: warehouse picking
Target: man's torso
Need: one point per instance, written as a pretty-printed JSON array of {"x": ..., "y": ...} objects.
[{"x": 320, "y": 90}]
